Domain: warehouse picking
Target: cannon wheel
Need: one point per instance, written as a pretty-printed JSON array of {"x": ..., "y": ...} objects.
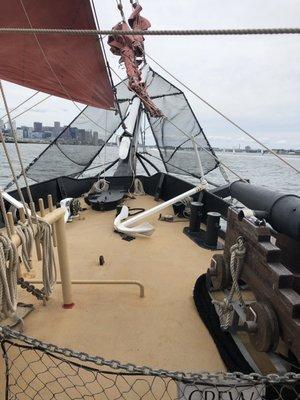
[
  {"x": 265, "y": 335},
  {"x": 218, "y": 273}
]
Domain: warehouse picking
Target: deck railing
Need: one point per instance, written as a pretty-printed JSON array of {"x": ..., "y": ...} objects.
[{"x": 38, "y": 370}]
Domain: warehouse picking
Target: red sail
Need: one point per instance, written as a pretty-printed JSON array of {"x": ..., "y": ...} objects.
[{"x": 67, "y": 66}]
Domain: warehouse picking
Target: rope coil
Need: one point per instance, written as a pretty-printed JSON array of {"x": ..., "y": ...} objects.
[
  {"x": 225, "y": 308},
  {"x": 26, "y": 235},
  {"x": 48, "y": 266},
  {"x": 9, "y": 264}
]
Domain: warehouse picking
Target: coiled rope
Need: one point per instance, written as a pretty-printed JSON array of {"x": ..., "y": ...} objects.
[
  {"x": 102, "y": 185},
  {"x": 225, "y": 307},
  {"x": 9, "y": 264},
  {"x": 26, "y": 235},
  {"x": 49, "y": 272},
  {"x": 138, "y": 188}
]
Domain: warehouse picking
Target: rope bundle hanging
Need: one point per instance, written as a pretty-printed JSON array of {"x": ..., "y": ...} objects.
[
  {"x": 9, "y": 264},
  {"x": 225, "y": 307},
  {"x": 138, "y": 188},
  {"x": 102, "y": 185},
  {"x": 48, "y": 264},
  {"x": 26, "y": 235}
]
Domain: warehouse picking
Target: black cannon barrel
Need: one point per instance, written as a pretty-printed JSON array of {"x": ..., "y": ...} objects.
[{"x": 283, "y": 210}]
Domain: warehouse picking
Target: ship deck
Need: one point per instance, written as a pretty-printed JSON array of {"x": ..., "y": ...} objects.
[{"x": 161, "y": 330}]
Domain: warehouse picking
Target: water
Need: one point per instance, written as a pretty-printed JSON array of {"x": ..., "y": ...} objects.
[{"x": 263, "y": 170}]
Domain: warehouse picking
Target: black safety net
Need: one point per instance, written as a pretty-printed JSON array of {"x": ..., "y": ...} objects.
[
  {"x": 178, "y": 135},
  {"x": 75, "y": 149},
  {"x": 169, "y": 143}
]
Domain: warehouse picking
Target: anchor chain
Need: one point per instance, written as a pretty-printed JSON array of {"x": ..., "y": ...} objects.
[
  {"x": 38, "y": 293},
  {"x": 187, "y": 377}
]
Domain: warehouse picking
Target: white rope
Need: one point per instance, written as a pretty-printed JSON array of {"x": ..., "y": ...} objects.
[
  {"x": 44, "y": 229},
  {"x": 187, "y": 206},
  {"x": 49, "y": 273},
  {"x": 9, "y": 263},
  {"x": 30, "y": 108},
  {"x": 20, "y": 104},
  {"x": 102, "y": 185},
  {"x": 225, "y": 307},
  {"x": 26, "y": 235},
  {"x": 138, "y": 188}
]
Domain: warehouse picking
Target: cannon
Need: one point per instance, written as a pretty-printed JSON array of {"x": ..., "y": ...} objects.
[
  {"x": 281, "y": 211},
  {"x": 270, "y": 268}
]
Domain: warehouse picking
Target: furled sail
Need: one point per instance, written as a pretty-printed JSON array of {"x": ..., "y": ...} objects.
[
  {"x": 130, "y": 48},
  {"x": 71, "y": 67}
]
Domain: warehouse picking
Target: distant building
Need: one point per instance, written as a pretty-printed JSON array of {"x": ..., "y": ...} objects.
[
  {"x": 37, "y": 126},
  {"x": 36, "y": 135},
  {"x": 19, "y": 133},
  {"x": 25, "y": 130},
  {"x": 95, "y": 138},
  {"x": 57, "y": 127}
]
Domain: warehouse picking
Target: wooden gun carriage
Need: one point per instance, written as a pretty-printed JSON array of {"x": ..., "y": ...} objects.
[{"x": 271, "y": 271}]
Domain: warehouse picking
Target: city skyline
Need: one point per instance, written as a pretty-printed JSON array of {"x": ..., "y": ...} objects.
[{"x": 73, "y": 135}]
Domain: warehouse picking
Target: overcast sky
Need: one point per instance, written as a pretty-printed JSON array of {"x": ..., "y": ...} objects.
[{"x": 255, "y": 80}]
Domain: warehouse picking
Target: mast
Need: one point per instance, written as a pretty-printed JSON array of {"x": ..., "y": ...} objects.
[{"x": 129, "y": 139}]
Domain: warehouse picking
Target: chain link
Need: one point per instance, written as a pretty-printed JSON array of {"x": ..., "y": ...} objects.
[
  {"x": 38, "y": 293},
  {"x": 254, "y": 378}
]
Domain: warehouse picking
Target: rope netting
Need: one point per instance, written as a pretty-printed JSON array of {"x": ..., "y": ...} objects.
[{"x": 36, "y": 370}]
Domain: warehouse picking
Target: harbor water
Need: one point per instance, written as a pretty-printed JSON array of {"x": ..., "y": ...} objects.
[{"x": 264, "y": 170}]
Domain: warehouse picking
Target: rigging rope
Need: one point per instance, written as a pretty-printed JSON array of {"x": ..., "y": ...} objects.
[
  {"x": 15, "y": 179},
  {"x": 43, "y": 228},
  {"x": 172, "y": 32},
  {"x": 223, "y": 115},
  {"x": 120, "y": 8},
  {"x": 189, "y": 137},
  {"x": 20, "y": 104},
  {"x": 30, "y": 108}
]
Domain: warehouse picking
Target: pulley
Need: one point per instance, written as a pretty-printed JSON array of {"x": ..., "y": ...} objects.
[
  {"x": 218, "y": 273},
  {"x": 262, "y": 327}
]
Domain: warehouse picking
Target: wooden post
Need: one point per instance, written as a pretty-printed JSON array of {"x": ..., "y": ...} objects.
[
  {"x": 64, "y": 266},
  {"x": 11, "y": 222},
  {"x": 22, "y": 215},
  {"x": 58, "y": 216},
  {"x": 51, "y": 208},
  {"x": 42, "y": 207}
]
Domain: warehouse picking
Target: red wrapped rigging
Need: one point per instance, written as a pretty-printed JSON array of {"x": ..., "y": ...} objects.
[{"x": 131, "y": 50}]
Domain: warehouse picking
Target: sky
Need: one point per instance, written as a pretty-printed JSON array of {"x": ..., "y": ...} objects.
[{"x": 255, "y": 80}]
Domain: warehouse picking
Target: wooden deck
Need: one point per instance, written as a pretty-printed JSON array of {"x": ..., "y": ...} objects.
[{"x": 163, "y": 329}]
